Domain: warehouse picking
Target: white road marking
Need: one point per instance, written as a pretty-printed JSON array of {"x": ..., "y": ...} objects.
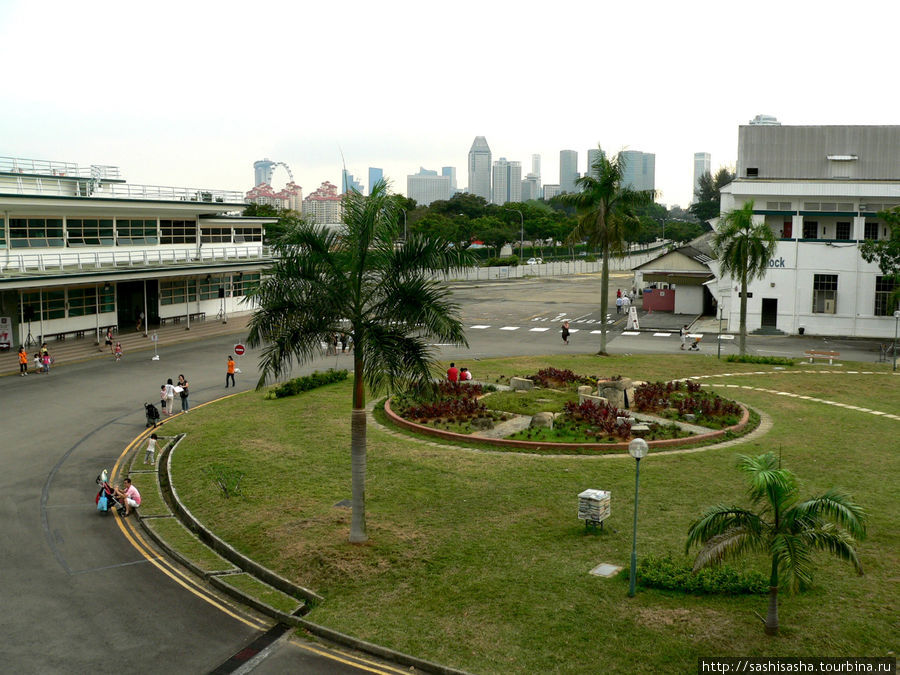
[
  {"x": 479, "y": 327},
  {"x": 662, "y": 334},
  {"x": 630, "y": 332},
  {"x": 537, "y": 330},
  {"x": 510, "y": 328}
]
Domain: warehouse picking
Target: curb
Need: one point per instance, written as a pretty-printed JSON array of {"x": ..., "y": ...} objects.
[{"x": 245, "y": 564}]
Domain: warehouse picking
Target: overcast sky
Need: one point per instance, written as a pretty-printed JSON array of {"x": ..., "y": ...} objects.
[{"x": 192, "y": 93}]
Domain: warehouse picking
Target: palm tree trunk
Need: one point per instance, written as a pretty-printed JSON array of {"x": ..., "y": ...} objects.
[
  {"x": 358, "y": 453},
  {"x": 772, "y": 614},
  {"x": 604, "y": 298},
  {"x": 742, "y": 341}
]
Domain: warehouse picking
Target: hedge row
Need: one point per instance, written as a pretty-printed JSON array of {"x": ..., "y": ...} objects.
[
  {"x": 307, "y": 382},
  {"x": 667, "y": 573}
]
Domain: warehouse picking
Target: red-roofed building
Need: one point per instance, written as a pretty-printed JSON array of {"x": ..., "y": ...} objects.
[
  {"x": 324, "y": 205},
  {"x": 291, "y": 197}
]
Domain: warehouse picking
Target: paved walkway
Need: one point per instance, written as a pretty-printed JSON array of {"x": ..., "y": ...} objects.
[{"x": 74, "y": 350}]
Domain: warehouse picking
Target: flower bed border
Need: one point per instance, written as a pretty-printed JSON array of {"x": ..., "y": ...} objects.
[{"x": 544, "y": 445}]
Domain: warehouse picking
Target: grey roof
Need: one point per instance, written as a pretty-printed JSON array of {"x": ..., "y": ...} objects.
[
  {"x": 699, "y": 249},
  {"x": 480, "y": 144}
]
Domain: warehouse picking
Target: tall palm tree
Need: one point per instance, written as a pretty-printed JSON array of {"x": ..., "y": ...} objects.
[
  {"x": 605, "y": 211},
  {"x": 361, "y": 281},
  {"x": 744, "y": 249},
  {"x": 782, "y": 527}
]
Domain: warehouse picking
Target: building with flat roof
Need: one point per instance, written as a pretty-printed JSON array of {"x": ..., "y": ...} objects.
[
  {"x": 82, "y": 250},
  {"x": 568, "y": 170},
  {"x": 375, "y": 175},
  {"x": 507, "y": 182},
  {"x": 426, "y": 187},
  {"x": 702, "y": 165},
  {"x": 639, "y": 170},
  {"x": 819, "y": 189}
]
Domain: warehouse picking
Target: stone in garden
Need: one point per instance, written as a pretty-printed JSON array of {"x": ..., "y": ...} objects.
[
  {"x": 542, "y": 419},
  {"x": 598, "y": 400},
  {"x": 584, "y": 389},
  {"x": 621, "y": 420},
  {"x": 689, "y": 417},
  {"x": 520, "y": 384},
  {"x": 482, "y": 423},
  {"x": 639, "y": 430}
]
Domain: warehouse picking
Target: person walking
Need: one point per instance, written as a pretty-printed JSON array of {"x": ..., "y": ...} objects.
[
  {"x": 23, "y": 362},
  {"x": 140, "y": 322},
  {"x": 162, "y": 398},
  {"x": 619, "y": 305},
  {"x": 109, "y": 339},
  {"x": 184, "y": 393},
  {"x": 118, "y": 351},
  {"x": 684, "y": 333},
  {"x": 170, "y": 396},
  {"x": 565, "y": 332},
  {"x": 229, "y": 372},
  {"x": 150, "y": 455}
]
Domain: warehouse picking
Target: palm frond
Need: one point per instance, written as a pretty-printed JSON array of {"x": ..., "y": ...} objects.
[
  {"x": 835, "y": 506},
  {"x": 729, "y": 544},
  {"x": 766, "y": 481},
  {"x": 717, "y": 520},
  {"x": 792, "y": 555},
  {"x": 833, "y": 540}
]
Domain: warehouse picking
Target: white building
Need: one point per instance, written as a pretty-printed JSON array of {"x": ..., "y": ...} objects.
[
  {"x": 819, "y": 189},
  {"x": 507, "y": 182},
  {"x": 568, "y": 170},
  {"x": 82, "y": 250},
  {"x": 426, "y": 187},
  {"x": 551, "y": 190},
  {"x": 324, "y": 206},
  {"x": 639, "y": 170},
  {"x": 290, "y": 197}
]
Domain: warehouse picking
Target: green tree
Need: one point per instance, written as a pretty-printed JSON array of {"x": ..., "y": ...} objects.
[
  {"x": 286, "y": 219},
  {"x": 780, "y": 526},
  {"x": 358, "y": 281},
  {"x": 708, "y": 194},
  {"x": 744, "y": 249},
  {"x": 886, "y": 252},
  {"x": 606, "y": 212}
]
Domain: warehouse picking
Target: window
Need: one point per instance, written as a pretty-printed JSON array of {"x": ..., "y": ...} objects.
[
  {"x": 871, "y": 231},
  {"x": 842, "y": 231},
  {"x": 132, "y": 231},
  {"x": 80, "y": 232},
  {"x": 35, "y": 232},
  {"x": 752, "y": 172},
  {"x": 244, "y": 283},
  {"x": 209, "y": 288},
  {"x": 83, "y": 301},
  {"x": 810, "y": 229},
  {"x": 248, "y": 233},
  {"x": 884, "y": 287},
  {"x": 178, "y": 231},
  {"x": 177, "y": 291},
  {"x": 45, "y": 304},
  {"x": 215, "y": 235},
  {"x": 2, "y": 231},
  {"x": 825, "y": 293}
]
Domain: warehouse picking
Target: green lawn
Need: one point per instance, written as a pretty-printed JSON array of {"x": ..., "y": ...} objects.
[{"x": 476, "y": 559}]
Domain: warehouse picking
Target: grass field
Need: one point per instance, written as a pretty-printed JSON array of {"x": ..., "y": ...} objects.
[{"x": 476, "y": 559}]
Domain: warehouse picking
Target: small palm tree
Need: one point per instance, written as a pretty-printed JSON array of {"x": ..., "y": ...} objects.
[
  {"x": 782, "y": 527},
  {"x": 363, "y": 282},
  {"x": 605, "y": 210},
  {"x": 744, "y": 249}
]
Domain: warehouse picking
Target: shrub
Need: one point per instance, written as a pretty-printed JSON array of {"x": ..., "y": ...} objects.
[
  {"x": 686, "y": 398},
  {"x": 602, "y": 417},
  {"x": 667, "y": 573},
  {"x": 549, "y": 377},
  {"x": 511, "y": 261},
  {"x": 768, "y": 360},
  {"x": 305, "y": 383}
]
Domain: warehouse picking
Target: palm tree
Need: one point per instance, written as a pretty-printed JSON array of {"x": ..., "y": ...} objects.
[
  {"x": 363, "y": 282},
  {"x": 744, "y": 249},
  {"x": 605, "y": 210},
  {"x": 782, "y": 527}
]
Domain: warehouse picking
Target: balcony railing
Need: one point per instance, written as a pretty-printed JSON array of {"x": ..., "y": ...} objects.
[
  {"x": 42, "y": 167},
  {"x": 78, "y": 261}
]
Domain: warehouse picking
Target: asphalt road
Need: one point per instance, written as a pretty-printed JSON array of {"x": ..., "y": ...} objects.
[{"x": 77, "y": 595}]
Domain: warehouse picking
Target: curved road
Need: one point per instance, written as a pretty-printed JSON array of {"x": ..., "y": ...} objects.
[{"x": 77, "y": 595}]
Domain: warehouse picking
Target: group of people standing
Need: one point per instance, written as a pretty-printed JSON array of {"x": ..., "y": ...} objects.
[
  {"x": 624, "y": 300},
  {"x": 335, "y": 340},
  {"x": 169, "y": 390},
  {"x": 42, "y": 360}
]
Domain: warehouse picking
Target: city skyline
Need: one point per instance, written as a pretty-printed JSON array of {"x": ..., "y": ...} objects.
[{"x": 181, "y": 112}]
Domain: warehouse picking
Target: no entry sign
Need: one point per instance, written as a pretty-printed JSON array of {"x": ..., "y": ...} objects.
[{"x": 239, "y": 349}]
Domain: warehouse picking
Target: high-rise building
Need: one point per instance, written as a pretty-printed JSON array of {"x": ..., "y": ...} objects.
[
  {"x": 765, "y": 121},
  {"x": 262, "y": 171},
  {"x": 531, "y": 187},
  {"x": 551, "y": 190},
  {"x": 536, "y": 165},
  {"x": 480, "y": 168},
  {"x": 324, "y": 206},
  {"x": 291, "y": 197},
  {"x": 348, "y": 182},
  {"x": 450, "y": 172},
  {"x": 593, "y": 155},
  {"x": 702, "y": 165},
  {"x": 568, "y": 170},
  {"x": 507, "y": 182},
  {"x": 426, "y": 187},
  {"x": 639, "y": 170},
  {"x": 375, "y": 175}
]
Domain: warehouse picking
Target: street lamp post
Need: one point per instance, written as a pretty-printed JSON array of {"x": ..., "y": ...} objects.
[
  {"x": 896, "y": 322},
  {"x": 638, "y": 449},
  {"x": 719, "y": 352},
  {"x": 521, "y": 231}
]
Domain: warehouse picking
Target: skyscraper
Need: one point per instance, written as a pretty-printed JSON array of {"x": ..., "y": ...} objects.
[
  {"x": 536, "y": 165},
  {"x": 568, "y": 170},
  {"x": 375, "y": 175},
  {"x": 348, "y": 182},
  {"x": 262, "y": 171},
  {"x": 450, "y": 172},
  {"x": 593, "y": 154},
  {"x": 639, "y": 171},
  {"x": 426, "y": 187},
  {"x": 507, "y": 184},
  {"x": 702, "y": 165},
  {"x": 480, "y": 168}
]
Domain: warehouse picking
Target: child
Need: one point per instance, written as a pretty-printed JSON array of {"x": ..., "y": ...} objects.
[
  {"x": 38, "y": 363},
  {"x": 46, "y": 360},
  {"x": 151, "y": 450},
  {"x": 162, "y": 399},
  {"x": 118, "y": 352}
]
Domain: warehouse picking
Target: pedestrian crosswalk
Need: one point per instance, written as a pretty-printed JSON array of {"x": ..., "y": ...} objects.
[{"x": 626, "y": 333}]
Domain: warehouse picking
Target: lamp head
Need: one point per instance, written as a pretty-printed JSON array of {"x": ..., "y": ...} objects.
[{"x": 638, "y": 448}]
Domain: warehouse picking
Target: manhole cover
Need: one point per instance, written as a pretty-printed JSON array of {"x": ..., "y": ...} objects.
[{"x": 605, "y": 570}]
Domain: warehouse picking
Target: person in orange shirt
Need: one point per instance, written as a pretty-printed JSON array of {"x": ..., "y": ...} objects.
[
  {"x": 229, "y": 373},
  {"x": 23, "y": 362}
]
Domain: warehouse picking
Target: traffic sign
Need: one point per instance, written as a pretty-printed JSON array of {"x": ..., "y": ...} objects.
[{"x": 239, "y": 349}]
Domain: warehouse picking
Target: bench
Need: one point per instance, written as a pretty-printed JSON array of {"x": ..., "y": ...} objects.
[
  {"x": 198, "y": 316},
  {"x": 61, "y": 337},
  {"x": 817, "y": 354}
]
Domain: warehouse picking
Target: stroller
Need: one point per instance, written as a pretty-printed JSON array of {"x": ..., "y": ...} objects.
[
  {"x": 106, "y": 497},
  {"x": 152, "y": 415},
  {"x": 695, "y": 345}
]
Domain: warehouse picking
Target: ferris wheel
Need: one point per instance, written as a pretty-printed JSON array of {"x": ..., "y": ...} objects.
[{"x": 286, "y": 168}]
